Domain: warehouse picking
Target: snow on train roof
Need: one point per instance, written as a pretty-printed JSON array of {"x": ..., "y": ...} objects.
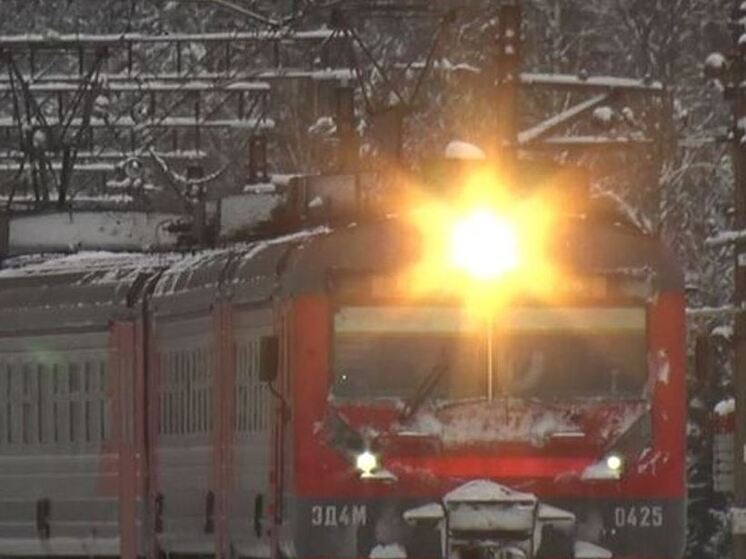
[
  {"x": 81, "y": 263},
  {"x": 205, "y": 269},
  {"x": 86, "y": 289}
]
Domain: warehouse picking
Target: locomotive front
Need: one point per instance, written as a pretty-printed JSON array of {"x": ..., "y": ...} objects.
[{"x": 519, "y": 395}]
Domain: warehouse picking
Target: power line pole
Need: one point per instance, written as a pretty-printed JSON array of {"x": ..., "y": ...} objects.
[
  {"x": 508, "y": 81},
  {"x": 739, "y": 168},
  {"x": 730, "y": 70}
]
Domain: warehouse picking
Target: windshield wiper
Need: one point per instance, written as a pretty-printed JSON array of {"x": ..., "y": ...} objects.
[{"x": 427, "y": 385}]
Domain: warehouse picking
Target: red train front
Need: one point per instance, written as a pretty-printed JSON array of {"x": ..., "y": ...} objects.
[
  {"x": 459, "y": 381},
  {"x": 414, "y": 425}
]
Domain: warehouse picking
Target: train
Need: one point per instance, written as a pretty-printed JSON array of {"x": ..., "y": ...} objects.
[{"x": 291, "y": 397}]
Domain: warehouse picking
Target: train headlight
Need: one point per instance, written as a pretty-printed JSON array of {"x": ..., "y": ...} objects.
[
  {"x": 609, "y": 468},
  {"x": 366, "y": 462},
  {"x": 485, "y": 245},
  {"x": 615, "y": 463}
]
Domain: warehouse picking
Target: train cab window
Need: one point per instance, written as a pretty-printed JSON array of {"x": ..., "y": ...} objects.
[
  {"x": 573, "y": 352},
  {"x": 540, "y": 352},
  {"x": 387, "y": 352}
]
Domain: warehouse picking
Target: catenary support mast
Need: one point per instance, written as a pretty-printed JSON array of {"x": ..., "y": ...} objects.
[{"x": 739, "y": 167}]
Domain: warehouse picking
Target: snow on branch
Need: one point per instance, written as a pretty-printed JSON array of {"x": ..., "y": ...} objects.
[
  {"x": 562, "y": 119},
  {"x": 707, "y": 312},
  {"x": 182, "y": 179},
  {"x": 726, "y": 238}
]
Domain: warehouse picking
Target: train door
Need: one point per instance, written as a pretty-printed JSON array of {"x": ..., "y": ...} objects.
[
  {"x": 182, "y": 407},
  {"x": 248, "y": 491}
]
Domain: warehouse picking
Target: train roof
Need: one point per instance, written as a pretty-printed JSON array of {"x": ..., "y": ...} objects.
[
  {"x": 84, "y": 290},
  {"x": 90, "y": 289},
  {"x": 594, "y": 247}
]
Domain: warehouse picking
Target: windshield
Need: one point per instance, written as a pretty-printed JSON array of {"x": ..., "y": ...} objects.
[
  {"x": 533, "y": 352},
  {"x": 382, "y": 352},
  {"x": 552, "y": 353}
]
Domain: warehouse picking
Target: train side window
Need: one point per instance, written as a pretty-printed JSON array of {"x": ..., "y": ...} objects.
[
  {"x": 251, "y": 393},
  {"x": 269, "y": 358},
  {"x": 185, "y": 392},
  {"x": 258, "y": 514}
]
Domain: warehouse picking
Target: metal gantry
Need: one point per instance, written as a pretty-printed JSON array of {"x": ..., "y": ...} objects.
[{"x": 81, "y": 104}]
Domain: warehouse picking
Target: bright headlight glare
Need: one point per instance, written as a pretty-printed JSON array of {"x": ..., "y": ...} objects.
[
  {"x": 614, "y": 462},
  {"x": 485, "y": 245},
  {"x": 366, "y": 462}
]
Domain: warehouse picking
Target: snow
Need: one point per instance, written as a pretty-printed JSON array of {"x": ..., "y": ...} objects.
[
  {"x": 171, "y": 121},
  {"x": 76, "y": 38},
  {"x": 600, "y": 471},
  {"x": 261, "y": 188},
  {"x": 602, "y": 82},
  {"x": 389, "y": 551},
  {"x": 563, "y": 118},
  {"x": 382, "y": 475},
  {"x": 244, "y": 211},
  {"x": 464, "y": 151},
  {"x": 603, "y": 114},
  {"x": 136, "y": 86},
  {"x": 256, "y": 550},
  {"x": 631, "y": 214},
  {"x": 480, "y": 422},
  {"x": 661, "y": 366},
  {"x": 492, "y": 517},
  {"x": 723, "y": 331},
  {"x": 118, "y": 264},
  {"x": 486, "y": 491},
  {"x": 725, "y": 237},
  {"x": 324, "y": 126},
  {"x": 715, "y": 61},
  {"x": 725, "y": 407},
  {"x": 548, "y": 513},
  {"x": 724, "y": 310},
  {"x": 587, "y": 550},
  {"x": 284, "y": 179},
  {"x": 432, "y": 512},
  {"x": 90, "y": 230}
]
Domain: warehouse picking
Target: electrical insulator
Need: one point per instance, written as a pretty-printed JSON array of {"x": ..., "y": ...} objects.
[
  {"x": 195, "y": 172},
  {"x": 715, "y": 66},
  {"x": 345, "y": 120},
  {"x": 258, "y": 159},
  {"x": 509, "y": 41},
  {"x": 738, "y": 20}
]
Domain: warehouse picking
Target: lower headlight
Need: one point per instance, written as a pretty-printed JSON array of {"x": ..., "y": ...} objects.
[
  {"x": 366, "y": 462},
  {"x": 615, "y": 463}
]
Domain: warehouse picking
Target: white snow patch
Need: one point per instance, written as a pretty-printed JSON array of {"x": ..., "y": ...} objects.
[
  {"x": 600, "y": 471},
  {"x": 725, "y": 407},
  {"x": 390, "y": 551},
  {"x": 324, "y": 125},
  {"x": 248, "y": 210},
  {"x": 587, "y": 550},
  {"x": 261, "y": 188},
  {"x": 603, "y": 114},
  {"x": 257, "y": 550},
  {"x": 484, "y": 490},
  {"x": 465, "y": 151},
  {"x": 725, "y": 331},
  {"x": 715, "y": 61},
  {"x": 71, "y": 231},
  {"x": 662, "y": 366},
  {"x": 492, "y": 517},
  {"x": 427, "y": 513},
  {"x": 482, "y": 422}
]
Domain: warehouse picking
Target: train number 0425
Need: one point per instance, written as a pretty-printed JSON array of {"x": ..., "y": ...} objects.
[{"x": 638, "y": 517}]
